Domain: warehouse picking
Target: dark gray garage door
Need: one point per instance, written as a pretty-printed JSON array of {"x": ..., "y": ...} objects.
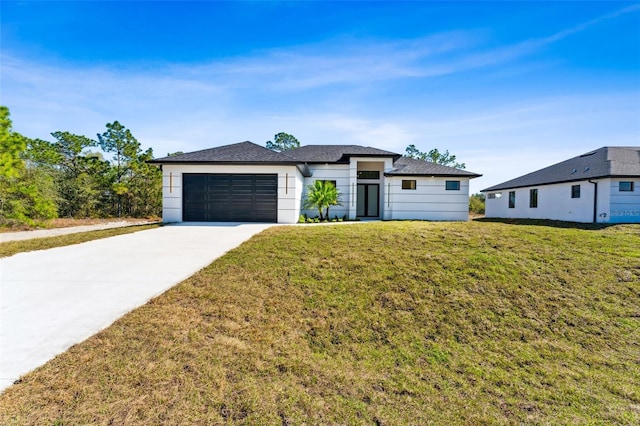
[{"x": 230, "y": 198}]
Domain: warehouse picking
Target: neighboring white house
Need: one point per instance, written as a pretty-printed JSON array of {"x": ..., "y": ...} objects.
[
  {"x": 601, "y": 186},
  {"x": 245, "y": 182}
]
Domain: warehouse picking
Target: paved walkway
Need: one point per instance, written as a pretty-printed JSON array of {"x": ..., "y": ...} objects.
[
  {"x": 43, "y": 233},
  {"x": 52, "y": 299}
]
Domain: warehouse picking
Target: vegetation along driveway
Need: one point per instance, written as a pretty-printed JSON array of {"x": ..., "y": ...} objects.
[{"x": 55, "y": 298}]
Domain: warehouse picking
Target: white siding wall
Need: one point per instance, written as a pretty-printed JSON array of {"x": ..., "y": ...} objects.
[
  {"x": 337, "y": 172},
  {"x": 429, "y": 201},
  {"x": 555, "y": 203},
  {"x": 625, "y": 206},
  {"x": 289, "y": 187}
]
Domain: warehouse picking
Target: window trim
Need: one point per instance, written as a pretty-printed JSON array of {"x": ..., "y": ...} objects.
[
  {"x": 376, "y": 173},
  {"x": 456, "y": 184},
  {"x": 412, "y": 184}
]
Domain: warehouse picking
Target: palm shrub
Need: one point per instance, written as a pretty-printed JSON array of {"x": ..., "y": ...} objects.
[{"x": 322, "y": 195}]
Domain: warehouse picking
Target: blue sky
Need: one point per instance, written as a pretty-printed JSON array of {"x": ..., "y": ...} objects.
[{"x": 508, "y": 87}]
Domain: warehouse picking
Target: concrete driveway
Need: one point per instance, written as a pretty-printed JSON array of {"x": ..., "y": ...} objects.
[{"x": 53, "y": 299}]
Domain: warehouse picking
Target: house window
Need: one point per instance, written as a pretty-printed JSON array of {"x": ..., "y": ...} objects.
[
  {"x": 625, "y": 186},
  {"x": 495, "y": 195},
  {"x": 369, "y": 174},
  {"x": 533, "y": 198},
  {"x": 408, "y": 184},
  {"x": 512, "y": 199},
  {"x": 452, "y": 185},
  {"x": 575, "y": 191},
  {"x": 332, "y": 182}
]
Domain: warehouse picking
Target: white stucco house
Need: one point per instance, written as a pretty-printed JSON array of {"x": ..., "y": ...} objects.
[
  {"x": 245, "y": 182},
  {"x": 601, "y": 186}
]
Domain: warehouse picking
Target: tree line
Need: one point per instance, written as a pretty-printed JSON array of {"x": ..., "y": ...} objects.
[
  {"x": 70, "y": 176},
  {"x": 283, "y": 141}
]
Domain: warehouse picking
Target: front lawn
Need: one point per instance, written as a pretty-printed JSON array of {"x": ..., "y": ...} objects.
[{"x": 381, "y": 323}]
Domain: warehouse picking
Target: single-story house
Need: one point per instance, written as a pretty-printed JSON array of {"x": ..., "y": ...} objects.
[
  {"x": 601, "y": 186},
  {"x": 247, "y": 182}
]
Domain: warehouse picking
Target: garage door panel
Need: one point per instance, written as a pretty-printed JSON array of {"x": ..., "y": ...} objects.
[{"x": 230, "y": 197}]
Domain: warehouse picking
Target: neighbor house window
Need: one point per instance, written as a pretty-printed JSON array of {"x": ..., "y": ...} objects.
[
  {"x": 575, "y": 191},
  {"x": 452, "y": 185},
  {"x": 512, "y": 199},
  {"x": 495, "y": 195},
  {"x": 369, "y": 174},
  {"x": 625, "y": 186},
  {"x": 408, "y": 184},
  {"x": 533, "y": 198}
]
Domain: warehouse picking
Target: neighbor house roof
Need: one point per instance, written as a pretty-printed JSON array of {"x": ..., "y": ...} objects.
[
  {"x": 237, "y": 153},
  {"x": 405, "y": 166},
  {"x": 335, "y": 153},
  {"x": 611, "y": 161}
]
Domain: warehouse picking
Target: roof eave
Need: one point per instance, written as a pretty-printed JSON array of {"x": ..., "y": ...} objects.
[
  {"x": 500, "y": 187},
  {"x": 304, "y": 169},
  {"x": 229, "y": 163},
  {"x": 394, "y": 156},
  {"x": 470, "y": 176}
]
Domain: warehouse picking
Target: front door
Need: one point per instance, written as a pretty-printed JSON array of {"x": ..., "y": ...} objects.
[{"x": 368, "y": 201}]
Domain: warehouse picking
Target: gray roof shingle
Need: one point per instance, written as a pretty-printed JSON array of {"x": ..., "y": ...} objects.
[
  {"x": 405, "y": 166},
  {"x": 239, "y": 153},
  {"x": 622, "y": 161},
  {"x": 251, "y": 153},
  {"x": 336, "y": 153}
]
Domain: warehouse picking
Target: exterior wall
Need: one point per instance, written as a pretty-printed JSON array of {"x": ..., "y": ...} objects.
[
  {"x": 429, "y": 201},
  {"x": 368, "y": 164},
  {"x": 289, "y": 187},
  {"x": 337, "y": 172},
  {"x": 624, "y": 206},
  {"x": 555, "y": 203},
  {"x": 346, "y": 177}
]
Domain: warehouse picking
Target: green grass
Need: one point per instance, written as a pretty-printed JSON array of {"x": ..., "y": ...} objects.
[
  {"x": 383, "y": 323},
  {"x": 10, "y": 248}
]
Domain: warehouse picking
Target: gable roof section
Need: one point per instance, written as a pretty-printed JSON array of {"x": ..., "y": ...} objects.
[
  {"x": 405, "y": 166},
  {"x": 609, "y": 161},
  {"x": 336, "y": 153},
  {"x": 237, "y": 153}
]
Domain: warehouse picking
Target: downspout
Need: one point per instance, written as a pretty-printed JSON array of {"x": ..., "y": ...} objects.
[{"x": 595, "y": 200}]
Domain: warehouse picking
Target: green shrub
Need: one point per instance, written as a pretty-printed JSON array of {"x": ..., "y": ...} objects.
[{"x": 476, "y": 203}]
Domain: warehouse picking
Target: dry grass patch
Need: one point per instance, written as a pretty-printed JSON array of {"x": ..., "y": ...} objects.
[
  {"x": 67, "y": 222},
  {"x": 384, "y": 323},
  {"x": 10, "y": 248}
]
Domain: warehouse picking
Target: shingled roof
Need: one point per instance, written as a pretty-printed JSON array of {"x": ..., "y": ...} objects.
[
  {"x": 612, "y": 161},
  {"x": 251, "y": 153},
  {"x": 405, "y": 166},
  {"x": 237, "y": 153},
  {"x": 336, "y": 153}
]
